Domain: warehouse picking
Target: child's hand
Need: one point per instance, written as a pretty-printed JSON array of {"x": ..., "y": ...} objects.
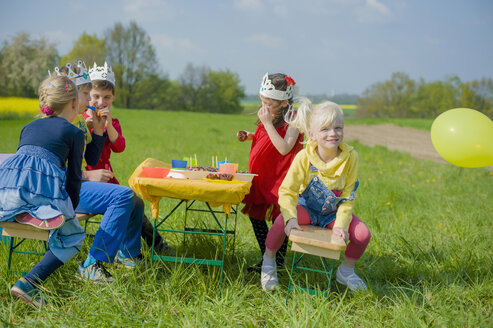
[
  {"x": 264, "y": 115},
  {"x": 341, "y": 234},
  {"x": 292, "y": 224},
  {"x": 244, "y": 135},
  {"x": 97, "y": 122},
  {"x": 97, "y": 175},
  {"x": 106, "y": 114},
  {"x": 89, "y": 119}
]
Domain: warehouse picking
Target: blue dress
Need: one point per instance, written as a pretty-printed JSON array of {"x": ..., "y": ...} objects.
[{"x": 42, "y": 179}]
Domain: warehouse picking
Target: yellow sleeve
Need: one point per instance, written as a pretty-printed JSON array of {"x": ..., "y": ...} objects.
[
  {"x": 290, "y": 187},
  {"x": 345, "y": 211}
]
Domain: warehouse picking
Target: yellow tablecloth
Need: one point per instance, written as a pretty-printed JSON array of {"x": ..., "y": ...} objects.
[{"x": 216, "y": 194}]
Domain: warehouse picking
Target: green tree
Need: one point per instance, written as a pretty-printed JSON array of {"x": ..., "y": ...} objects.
[
  {"x": 154, "y": 92},
  {"x": 435, "y": 97},
  {"x": 191, "y": 80},
  {"x": 205, "y": 90},
  {"x": 221, "y": 92},
  {"x": 132, "y": 57},
  {"x": 24, "y": 64},
  {"x": 88, "y": 48},
  {"x": 392, "y": 98},
  {"x": 478, "y": 95}
]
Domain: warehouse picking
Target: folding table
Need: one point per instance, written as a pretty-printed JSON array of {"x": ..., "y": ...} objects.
[{"x": 188, "y": 192}]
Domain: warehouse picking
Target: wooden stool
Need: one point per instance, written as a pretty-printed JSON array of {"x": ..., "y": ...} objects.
[
  {"x": 86, "y": 218},
  {"x": 14, "y": 230},
  {"x": 317, "y": 241}
]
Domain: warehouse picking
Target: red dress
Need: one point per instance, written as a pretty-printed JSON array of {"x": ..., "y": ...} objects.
[
  {"x": 266, "y": 161},
  {"x": 118, "y": 146}
]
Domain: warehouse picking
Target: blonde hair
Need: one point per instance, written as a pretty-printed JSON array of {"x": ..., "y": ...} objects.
[
  {"x": 311, "y": 119},
  {"x": 56, "y": 92}
]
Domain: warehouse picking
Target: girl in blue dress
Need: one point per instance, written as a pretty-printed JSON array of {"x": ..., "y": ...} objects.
[{"x": 40, "y": 184}]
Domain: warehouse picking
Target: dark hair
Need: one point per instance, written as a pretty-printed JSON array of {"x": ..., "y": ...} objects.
[
  {"x": 103, "y": 85},
  {"x": 280, "y": 83}
]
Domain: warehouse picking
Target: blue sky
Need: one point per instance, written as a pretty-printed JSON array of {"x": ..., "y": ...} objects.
[{"x": 340, "y": 46}]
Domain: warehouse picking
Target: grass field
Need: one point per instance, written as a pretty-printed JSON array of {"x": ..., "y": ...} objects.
[{"x": 429, "y": 262}]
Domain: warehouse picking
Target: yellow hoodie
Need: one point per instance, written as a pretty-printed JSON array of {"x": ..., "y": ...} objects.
[{"x": 340, "y": 173}]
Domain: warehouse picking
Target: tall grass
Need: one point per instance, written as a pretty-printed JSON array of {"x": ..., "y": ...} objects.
[{"x": 428, "y": 263}]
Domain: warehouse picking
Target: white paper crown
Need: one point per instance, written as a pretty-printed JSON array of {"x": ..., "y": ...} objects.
[
  {"x": 82, "y": 77},
  {"x": 102, "y": 73},
  {"x": 79, "y": 79},
  {"x": 267, "y": 89}
]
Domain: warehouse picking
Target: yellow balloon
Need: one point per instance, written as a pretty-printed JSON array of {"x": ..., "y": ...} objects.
[{"x": 464, "y": 137}]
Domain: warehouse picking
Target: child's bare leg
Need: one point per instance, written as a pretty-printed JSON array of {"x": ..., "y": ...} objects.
[
  {"x": 349, "y": 262},
  {"x": 275, "y": 238},
  {"x": 359, "y": 237},
  {"x": 270, "y": 254}
]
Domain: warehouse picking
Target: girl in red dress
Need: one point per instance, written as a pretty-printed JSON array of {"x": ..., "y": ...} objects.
[{"x": 274, "y": 146}]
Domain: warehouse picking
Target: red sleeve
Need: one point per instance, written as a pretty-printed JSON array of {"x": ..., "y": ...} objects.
[{"x": 119, "y": 145}]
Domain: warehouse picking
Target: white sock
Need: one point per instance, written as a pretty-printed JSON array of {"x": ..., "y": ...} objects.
[
  {"x": 269, "y": 261},
  {"x": 346, "y": 271}
]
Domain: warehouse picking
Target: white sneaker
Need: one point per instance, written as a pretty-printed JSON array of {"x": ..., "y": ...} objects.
[
  {"x": 352, "y": 281},
  {"x": 268, "y": 276}
]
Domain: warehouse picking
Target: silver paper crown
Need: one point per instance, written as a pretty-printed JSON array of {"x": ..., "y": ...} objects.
[
  {"x": 102, "y": 73},
  {"x": 267, "y": 89},
  {"x": 79, "y": 79},
  {"x": 82, "y": 77}
]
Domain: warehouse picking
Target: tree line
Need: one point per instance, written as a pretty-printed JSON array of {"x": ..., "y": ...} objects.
[
  {"x": 24, "y": 63},
  {"x": 400, "y": 97}
]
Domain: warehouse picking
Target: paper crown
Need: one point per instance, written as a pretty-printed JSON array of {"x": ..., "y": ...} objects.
[
  {"x": 79, "y": 79},
  {"x": 102, "y": 73},
  {"x": 267, "y": 89}
]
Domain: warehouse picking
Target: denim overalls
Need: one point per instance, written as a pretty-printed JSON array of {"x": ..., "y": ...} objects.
[{"x": 320, "y": 202}]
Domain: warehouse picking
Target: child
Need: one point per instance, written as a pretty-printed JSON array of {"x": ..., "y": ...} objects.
[
  {"x": 319, "y": 190},
  {"x": 115, "y": 202},
  {"x": 119, "y": 231},
  {"x": 102, "y": 97},
  {"x": 43, "y": 179},
  {"x": 274, "y": 145},
  {"x": 94, "y": 141}
]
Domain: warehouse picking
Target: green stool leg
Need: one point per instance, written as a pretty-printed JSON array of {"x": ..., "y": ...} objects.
[
  {"x": 291, "y": 276},
  {"x": 11, "y": 251},
  {"x": 327, "y": 270}
]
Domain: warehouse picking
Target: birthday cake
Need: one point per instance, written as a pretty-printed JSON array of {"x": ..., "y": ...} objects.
[
  {"x": 221, "y": 176},
  {"x": 210, "y": 169}
]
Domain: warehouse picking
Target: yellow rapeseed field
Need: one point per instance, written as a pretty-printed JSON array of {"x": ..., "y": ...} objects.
[{"x": 16, "y": 106}]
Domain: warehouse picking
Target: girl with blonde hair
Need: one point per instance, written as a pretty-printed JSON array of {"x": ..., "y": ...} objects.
[{"x": 319, "y": 189}]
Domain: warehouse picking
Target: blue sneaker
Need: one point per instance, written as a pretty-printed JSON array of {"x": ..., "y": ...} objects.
[
  {"x": 95, "y": 272},
  {"x": 128, "y": 262},
  {"x": 28, "y": 292}
]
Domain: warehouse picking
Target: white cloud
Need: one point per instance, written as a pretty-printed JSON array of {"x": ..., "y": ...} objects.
[
  {"x": 64, "y": 41},
  {"x": 149, "y": 10},
  {"x": 278, "y": 8},
  {"x": 379, "y": 7},
  {"x": 372, "y": 12},
  {"x": 433, "y": 41},
  {"x": 265, "y": 40},
  {"x": 252, "y": 5},
  {"x": 166, "y": 43}
]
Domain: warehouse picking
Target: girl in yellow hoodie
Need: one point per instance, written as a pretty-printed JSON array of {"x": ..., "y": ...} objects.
[{"x": 319, "y": 189}]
